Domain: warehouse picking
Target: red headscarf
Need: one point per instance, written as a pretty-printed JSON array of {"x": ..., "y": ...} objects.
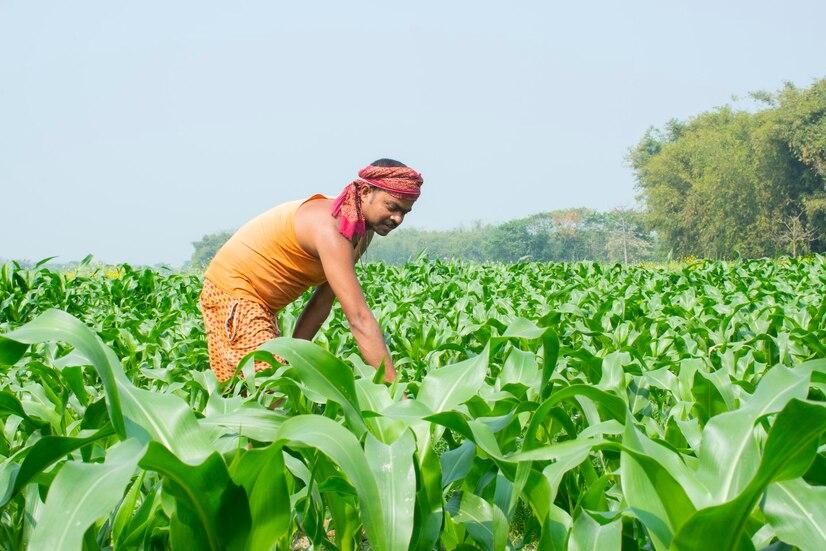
[{"x": 399, "y": 181}]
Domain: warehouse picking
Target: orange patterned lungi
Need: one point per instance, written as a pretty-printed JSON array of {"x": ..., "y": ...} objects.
[{"x": 234, "y": 328}]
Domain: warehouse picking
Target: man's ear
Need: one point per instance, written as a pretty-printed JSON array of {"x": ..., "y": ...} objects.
[{"x": 365, "y": 192}]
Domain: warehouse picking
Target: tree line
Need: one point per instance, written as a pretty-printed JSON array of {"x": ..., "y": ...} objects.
[
  {"x": 561, "y": 235},
  {"x": 726, "y": 183}
]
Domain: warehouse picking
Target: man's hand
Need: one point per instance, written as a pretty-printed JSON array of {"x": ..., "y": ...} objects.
[
  {"x": 384, "y": 374},
  {"x": 389, "y": 375}
]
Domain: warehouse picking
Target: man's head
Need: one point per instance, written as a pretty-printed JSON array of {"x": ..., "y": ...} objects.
[
  {"x": 385, "y": 210},
  {"x": 377, "y": 200}
]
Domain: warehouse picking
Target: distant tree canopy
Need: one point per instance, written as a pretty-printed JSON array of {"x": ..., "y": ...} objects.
[
  {"x": 562, "y": 235},
  {"x": 733, "y": 182},
  {"x": 206, "y": 247}
]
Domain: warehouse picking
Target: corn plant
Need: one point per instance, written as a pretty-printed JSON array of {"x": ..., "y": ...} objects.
[{"x": 539, "y": 406}]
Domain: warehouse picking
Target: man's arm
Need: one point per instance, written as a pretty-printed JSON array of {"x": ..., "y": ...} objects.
[
  {"x": 314, "y": 313},
  {"x": 337, "y": 258}
]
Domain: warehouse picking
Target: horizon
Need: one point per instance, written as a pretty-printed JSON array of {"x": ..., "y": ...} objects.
[{"x": 469, "y": 226}]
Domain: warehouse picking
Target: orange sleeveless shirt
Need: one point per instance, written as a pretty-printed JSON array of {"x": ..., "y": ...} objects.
[{"x": 264, "y": 262}]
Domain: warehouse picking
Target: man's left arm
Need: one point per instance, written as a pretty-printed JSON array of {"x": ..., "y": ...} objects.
[{"x": 315, "y": 312}]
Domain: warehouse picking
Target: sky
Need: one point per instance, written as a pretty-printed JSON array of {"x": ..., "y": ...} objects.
[{"x": 130, "y": 130}]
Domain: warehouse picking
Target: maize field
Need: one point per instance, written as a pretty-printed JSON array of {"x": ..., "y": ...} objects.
[{"x": 538, "y": 406}]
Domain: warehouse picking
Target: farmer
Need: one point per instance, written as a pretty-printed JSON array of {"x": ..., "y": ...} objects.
[{"x": 272, "y": 259}]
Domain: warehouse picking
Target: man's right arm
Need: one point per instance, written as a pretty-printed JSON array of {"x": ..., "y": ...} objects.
[{"x": 337, "y": 258}]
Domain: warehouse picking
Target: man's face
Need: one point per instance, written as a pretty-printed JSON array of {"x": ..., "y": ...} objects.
[{"x": 383, "y": 212}]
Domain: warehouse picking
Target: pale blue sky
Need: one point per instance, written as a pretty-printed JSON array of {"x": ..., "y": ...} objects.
[{"x": 129, "y": 131}]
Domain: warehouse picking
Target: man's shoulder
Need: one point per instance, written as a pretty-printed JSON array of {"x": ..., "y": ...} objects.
[
  {"x": 317, "y": 209},
  {"x": 314, "y": 221}
]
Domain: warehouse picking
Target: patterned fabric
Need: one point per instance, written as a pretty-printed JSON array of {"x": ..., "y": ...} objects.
[
  {"x": 234, "y": 328},
  {"x": 398, "y": 181}
]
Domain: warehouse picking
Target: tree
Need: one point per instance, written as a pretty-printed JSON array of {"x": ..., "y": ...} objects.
[
  {"x": 206, "y": 247},
  {"x": 626, "y": 241},
  {"x": 716, "y": 185},
  {"x": 802, "y": 114},
  {"x": 513, "y": 241},
  {"x": 795, "y": 234}
]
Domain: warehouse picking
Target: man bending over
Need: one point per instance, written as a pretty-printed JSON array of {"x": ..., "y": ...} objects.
[{"x": 272, "y": 259}]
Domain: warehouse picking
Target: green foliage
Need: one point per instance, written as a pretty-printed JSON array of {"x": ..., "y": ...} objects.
[
  {"x": 558, "y": 406},
  {"x": 561, "y": 235},
  {"x": 206, "y": 247},
  {"x": 729, "y": 183},
  {"x": 803, "y": 117}
]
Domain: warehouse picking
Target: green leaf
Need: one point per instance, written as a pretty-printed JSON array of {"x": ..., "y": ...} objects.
[
  {"x": 589, "y": 535},
  {"x": 485, "y": 522},
  {"x": 573, "y": 457},
  {"x": 322, "y": 372},
  {"x": 46, "y": 452},
  {"x": 393, "y": 470},
  {"x": 261, "y": 473},
  {"x": 429, "y": 504},
  {"x": 11, "y": 351},
  {"x": 520, "y": 368},
  {"x": 612, "y": 404},
  {"x": 165, "y": 418},
  {"x": 457, "y": 462},
  {"x": 126, "y": 512},
  {"x": 653, "y": 486},
  {"x": 10, "y": 405},
  {"x": 728, "y": 453},
  {"x": 56, "y": 325},
  {"x": 82, "y": 493},
  {"x": 251, "y": 420},
  {"x": 709, "y": 399},
  {"x": 341, "y": 446},
  {"x": 376, "y": 397},
  {"x": 550, "y": 350},
  {"x": 790, "y": 449},
  {"x": 211, "y": 511},
  {"x": 446, "y": 387},
  {"x": 797, "y": 512},
  {"x": 555, "y": 530},
  {"x": 525, "y": 329}
]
